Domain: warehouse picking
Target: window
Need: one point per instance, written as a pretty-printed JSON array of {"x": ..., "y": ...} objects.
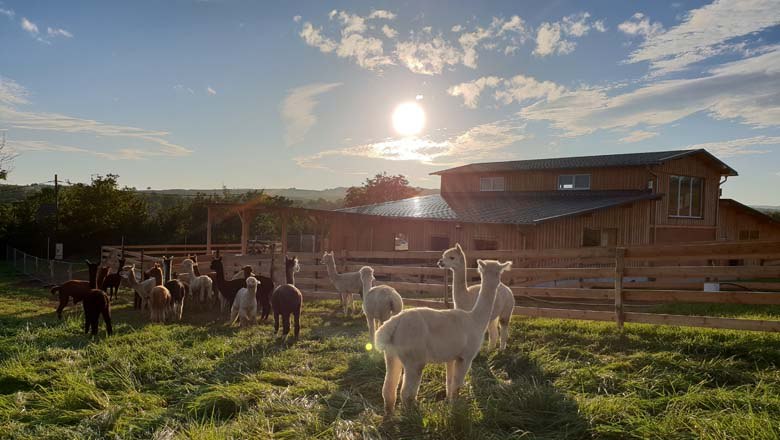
[
  {"x": 606, "y": 237},
  {"x": 745, "y": 235},
  {"x": 573, "y": 181},
  {"x": 491, "y": 183},
  {"x": 440, "y": 242},
  {"x": 401, "y": 242},
  {"x": 686, "y": 196},
  {"x": 485, "y": 244}
]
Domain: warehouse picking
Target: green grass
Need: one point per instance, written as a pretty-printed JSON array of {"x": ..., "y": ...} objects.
[{"x": 199, "y": 379}]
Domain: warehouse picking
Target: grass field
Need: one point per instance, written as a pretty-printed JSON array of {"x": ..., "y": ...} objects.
[{"x": 200, "y": 379}]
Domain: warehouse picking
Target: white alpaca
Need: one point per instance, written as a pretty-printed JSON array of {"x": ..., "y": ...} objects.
[
  {"x": 200, "y": 286},
  {"x": 143, "y": 288},
  {"x": 465, "y": 297},
  {"x": 416, "y": 337},
  {"x": 245, "y": 304},
  {"x": 380, "y": 303},
  {"x": 346, "y": 283}
]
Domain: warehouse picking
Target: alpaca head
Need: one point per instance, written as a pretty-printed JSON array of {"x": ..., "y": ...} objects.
[
  {"x": 491, "y": 270},
  {"x": 251, "y": 283},
  {"x": 327, "y": 257},
  {"x": 367, "y": 278},
  {"x": 187, "y": 264},
  {"x": 247, "y": 271},
  {"x": 216, "y": 264},
  {"x": 291, "y": 264},
  {"x": 453, "y": 258},
  {"x": 127, "y": 271}
]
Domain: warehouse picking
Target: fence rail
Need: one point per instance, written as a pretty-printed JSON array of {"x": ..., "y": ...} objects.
[
  {"x": 570, "y": 283},
  {"x": 44, "y": 270}
]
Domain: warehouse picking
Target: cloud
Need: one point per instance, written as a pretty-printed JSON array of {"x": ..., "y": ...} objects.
[
  {"x": 389, "y": 32},
  {"x": 457, "y": 28},
  {"x": 382, "y": 14},
  {"x": 7, "y": 12},
  {"x": 428, "y": 55},
  {"x": 57, "y": 32},
  {"x": 297, "y": 110},
  {"x": 746, "y": 91},
  {"x": 367, "y": 52},
  {"x": 181, "y": 88},
  {"x": 12, "y": 95},
  {"x": 638, "y": 136},
  {"x": 313, "y": 37},
  {"x": 639, "y": 25},
  {"x": 519, "y": 88},
  {"x": 477, "y": 143},
  {"x": 705, "y": 32},
  {"x": 297, "y": 18},
  {"x": 737, "y": 147},
  {"x": 211, "y": 91},
  {"x": 551, "y": 38},
  {"x": 29, "y": 26}
]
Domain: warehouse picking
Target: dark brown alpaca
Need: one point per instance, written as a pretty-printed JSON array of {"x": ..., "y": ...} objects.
[
  {"x": 177, "y": 289},
  {"x": 96, "y": 303},
  {"x": 287, "y": 300},
  {"x": 113, "y": 280},
  {"x": 75, "y": 289},
  {"x": 227, "y": 288}
]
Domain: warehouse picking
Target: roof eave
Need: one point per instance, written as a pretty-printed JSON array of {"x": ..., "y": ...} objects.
[{"x": 589, "y": 210}]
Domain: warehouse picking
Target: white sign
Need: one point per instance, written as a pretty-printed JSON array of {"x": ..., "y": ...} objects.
[{"x": 58, "y": 251}]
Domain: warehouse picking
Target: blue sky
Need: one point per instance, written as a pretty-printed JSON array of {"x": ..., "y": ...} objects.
[{"x": 200, "y": 94}]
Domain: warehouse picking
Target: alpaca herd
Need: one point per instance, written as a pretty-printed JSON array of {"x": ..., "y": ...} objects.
[{"x": 409, "y": 338}]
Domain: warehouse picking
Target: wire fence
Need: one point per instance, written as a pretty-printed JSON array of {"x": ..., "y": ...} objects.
[{"x": 48, "y": 272}]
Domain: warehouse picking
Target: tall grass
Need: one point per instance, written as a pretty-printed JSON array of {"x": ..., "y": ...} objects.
[{"x": 202, "y": 380}]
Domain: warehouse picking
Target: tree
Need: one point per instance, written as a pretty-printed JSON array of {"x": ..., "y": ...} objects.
[
  {"x": 6, "y": 157},
  {"x": 382, "y": 188}
]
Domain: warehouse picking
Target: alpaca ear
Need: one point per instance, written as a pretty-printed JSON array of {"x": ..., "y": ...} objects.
[
  {"x": 457, "y": 245},
  {"x": 506, "y": 267},
  {"x": 481, "y": 264}
]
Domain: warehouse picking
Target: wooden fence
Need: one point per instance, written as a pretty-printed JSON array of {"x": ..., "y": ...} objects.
[{"x": 601, "y": 284}]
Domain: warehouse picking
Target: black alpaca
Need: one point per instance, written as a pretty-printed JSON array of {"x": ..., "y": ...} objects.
[
  {"x": 264, "y": 292},
  {"x": 287, "y": 300},
  {"x": 96, "y": 303},
  {"x": 227, "y": 288},
  {"x": 75, "y": 289},
  {"x": 177, "y": 289},
  {"x": 113, "y": 280}
]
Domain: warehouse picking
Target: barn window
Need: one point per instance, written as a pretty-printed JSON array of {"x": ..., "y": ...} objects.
[
  {"x": 745, "y": 235},
  {"x": 686, "y": 196},
  {"x": 401, "y": 242},
  {"x": 573, "y": 181},
  {"x": 440, "y": 242},
  {"x": 495, "y": 183},
  {"x": 485, "y": 244},
  {"x": 606, "y": 237}
]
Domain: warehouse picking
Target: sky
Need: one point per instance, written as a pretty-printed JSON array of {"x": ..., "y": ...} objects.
[{"x": 245, "y": 94}]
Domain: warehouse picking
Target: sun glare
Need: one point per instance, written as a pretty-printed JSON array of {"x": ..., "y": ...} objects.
[{"x": 408, "y": 119}]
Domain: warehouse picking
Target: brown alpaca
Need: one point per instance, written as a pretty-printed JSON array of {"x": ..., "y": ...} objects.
[
  {"x": 156, "y": 273},
  {"x": 75, "y": 289},
  {"x": 96, "y": 303},
  {"x": 159, "y": 304},
  {"x": 287, "y": 300},
  {"x": 112, "y": 281}
]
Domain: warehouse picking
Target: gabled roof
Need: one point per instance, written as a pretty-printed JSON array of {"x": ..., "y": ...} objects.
[
  {"x": 749, "y": 210},
  {"x": 521, "y": 208},
  {"x": 603, "y": 161}
]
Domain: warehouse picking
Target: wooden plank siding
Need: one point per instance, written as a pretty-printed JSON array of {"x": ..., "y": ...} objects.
[{"x": 733, "y": 218}]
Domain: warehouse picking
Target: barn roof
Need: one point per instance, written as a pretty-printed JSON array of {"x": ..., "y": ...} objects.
[
  {"x": 524, "y": 208},
  {"x": 603, "y": 161},
  {"x": 748, "y": 210}
]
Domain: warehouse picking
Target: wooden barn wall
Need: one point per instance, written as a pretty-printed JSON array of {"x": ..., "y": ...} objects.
[
  {"x": 601, "y": 179},
  {"x": 632, "y": 223},
  {"x": 734, "y": 218},
  {"x": 688, "y": 166}
]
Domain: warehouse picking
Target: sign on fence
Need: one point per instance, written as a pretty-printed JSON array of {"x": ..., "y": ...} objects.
[{"x": 58, "y": 251}]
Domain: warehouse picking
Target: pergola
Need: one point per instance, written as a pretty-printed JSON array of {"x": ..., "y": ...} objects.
[{"x": 248, "y": 211}]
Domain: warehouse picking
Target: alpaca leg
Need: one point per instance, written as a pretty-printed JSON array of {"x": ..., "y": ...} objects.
[
  {"x": 344, "y": 303},
  {"x": 411, "y": 384},
  {"x": 371, "y": 328},
  {"x": 95, "y": 315},
  {"x": 285, "y": 324},
  {"x": 393, "y": 370},
  {"x": 253, "y": 314},
  {"x": 297, "y": 323},
  {"x": 504, "y": 331},
  {"x": 450, "y": 374},
  {"x": 492, "y": 334},
  {"x": 233, "y": 315},
  {"x": 86, "y": 322},
  {"x": 107, "y": 319},
  {"x": 459, "y": 376},
  {"x": 276, "y": 321}
]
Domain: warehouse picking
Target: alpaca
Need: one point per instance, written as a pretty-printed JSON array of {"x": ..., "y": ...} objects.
[
  {"x": 113, "y": 280},
  {"x": 287, "y": 300},
  {"x": 465, "y": 297},
  {"x": 101, "y": 275},
  {"x": 176, "y": 288},
  {"x": 243, "y": 273},
  {"x": 200, "y": 285},
  {"x": 380, "y": 303},
  {"x": 96, "y": 303},
  {"x": 143, "y": 289},
  {"x": 75, "y": 289},
  {"x": 245, "y": 304},
  {"x": 227, "y": 288},
  {"x": 419, "y": 336},
  {"x": 264, "y": 290},
  {"x": 346, "y": 283},
  {"x": 159, "y": 302},
  {"x": 154, "y": 274}
]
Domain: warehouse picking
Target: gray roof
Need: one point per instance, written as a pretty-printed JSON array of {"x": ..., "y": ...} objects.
[
  {"x": 609, "y": 160},
  {"x": 522, "y": 208}
]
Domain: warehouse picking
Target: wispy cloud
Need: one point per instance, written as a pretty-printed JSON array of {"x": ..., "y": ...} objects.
[
  {"x": 639, "y": 25},
  {"x": 519, "y": 88},
  {"x": 705, "y": 32},
  {"x": 57, "y": 32},
  {"x": 297, "y": 110},
  {"x": 558, "y": 37},
  {"x": 29, "y": 26},
  {"x": 638, "y": 136},
  {"x": 7, "y": 12},
  {"x": 211, "y": 91},
  {"x": 11, "y": 93},
  {"x": 737, "y": 147}
]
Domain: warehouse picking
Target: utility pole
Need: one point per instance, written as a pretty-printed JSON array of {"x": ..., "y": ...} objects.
[{"x": 56, "y": 211}]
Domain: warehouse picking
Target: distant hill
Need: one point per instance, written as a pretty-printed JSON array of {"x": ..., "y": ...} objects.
[
  {"x": 767, "y": 208},
  {"x": 329, "y": 194}
]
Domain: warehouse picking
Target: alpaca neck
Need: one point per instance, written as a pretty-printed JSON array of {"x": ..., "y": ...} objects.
[
  {"x": 220, "y": 274},
  {"x": 484, "y": 306},
  {"x": 330, "y": 265},
  {"x": 366, "y": 286},
  {"x": 459, "y": 285},
  {"x": 131, "y": 279},
  {"x": 290, "y": 277}
]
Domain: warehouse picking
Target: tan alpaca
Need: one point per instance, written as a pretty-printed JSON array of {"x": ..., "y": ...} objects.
[
  {"x": 200, "y": 286},
  {"x": 143, "y": 289},
  {"x": 346, "y": 283},
  {"x": 416, "y": 337},
  {"x": 380, "y": 303},
  {"x": 159, "y": 303},
  {"x": 465, "y": 297},
  {"x": 245, "y": 304}
]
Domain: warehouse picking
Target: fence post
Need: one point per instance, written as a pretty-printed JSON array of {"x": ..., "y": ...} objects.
[
  {"x": 24, "y": 263},
  {"x": 70, "y": 271},
  {"x": 619, "y": 266}
]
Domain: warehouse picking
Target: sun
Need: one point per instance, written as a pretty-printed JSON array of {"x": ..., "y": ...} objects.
[{"x": 408, "y": 119}]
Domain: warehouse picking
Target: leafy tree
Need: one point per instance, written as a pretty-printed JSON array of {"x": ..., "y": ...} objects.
[{"x": 380, "y": 188}]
